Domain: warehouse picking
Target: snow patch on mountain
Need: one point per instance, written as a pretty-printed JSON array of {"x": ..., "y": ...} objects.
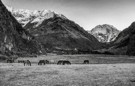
[
  {"x": 38, "y": 21},
  {"x": 25, "y": 16}
]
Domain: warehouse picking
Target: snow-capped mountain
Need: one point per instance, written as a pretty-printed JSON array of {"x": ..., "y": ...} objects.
[
  {"x": 37, "y": 16},
  {"x": 55, "y": 31},
  {"x": 105, "y": 33}
]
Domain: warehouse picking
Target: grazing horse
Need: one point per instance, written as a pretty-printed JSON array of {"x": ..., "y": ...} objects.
[
  {"x": 10, "y": 60},
  {"x": 60, "y": 62},
  {"x": 63, "y": 62},
  {"x": 46, "y": 61},
  {"x": 86, "y": 62},
  {"x": 27, "y": 62},
  {"x": 66, "y": 62},
  {"x": 41, "y": 62}
]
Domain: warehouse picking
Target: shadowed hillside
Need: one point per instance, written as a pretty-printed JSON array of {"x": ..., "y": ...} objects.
[{"x": 13, "y": 38}]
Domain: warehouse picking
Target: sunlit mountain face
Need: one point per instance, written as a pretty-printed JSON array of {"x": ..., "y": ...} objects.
[{"x": 105, "y": 33}]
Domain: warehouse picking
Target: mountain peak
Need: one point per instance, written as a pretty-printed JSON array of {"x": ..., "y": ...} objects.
[
  {"x": 24, "y": 15},
  {"x": 105, "y": 32}
]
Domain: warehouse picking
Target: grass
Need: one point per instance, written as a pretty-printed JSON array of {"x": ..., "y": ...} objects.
[{"x": 98, "y": 74}]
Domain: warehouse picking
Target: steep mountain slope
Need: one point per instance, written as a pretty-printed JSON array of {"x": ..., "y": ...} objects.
[
  {"x": 125, "y": 40},
  {"x": 60, "y": 33},
  {"x": 105, "y": 33},
  {"x": 13, "y": 38}
]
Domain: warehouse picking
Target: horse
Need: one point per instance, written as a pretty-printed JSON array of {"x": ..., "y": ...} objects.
[
  {"x": 86, "y": 62},
  {"x": 66, "y": 62},
  {"x": 46, "y": 61},
  {"x": 10, "y": 60},
  {"x": 27, "y": 62},
  {"x": 59, "y": 62},
  {"x": 63, "y": 62},
  {"x": 41, "y": 62}
]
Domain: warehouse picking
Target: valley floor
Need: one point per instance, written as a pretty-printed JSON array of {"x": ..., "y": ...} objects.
[{"x": 101, "y": 74}]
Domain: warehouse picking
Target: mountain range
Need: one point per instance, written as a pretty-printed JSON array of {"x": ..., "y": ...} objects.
[
  {"x": 104, "y": 33},
  {"x": 56, "y": 33}
]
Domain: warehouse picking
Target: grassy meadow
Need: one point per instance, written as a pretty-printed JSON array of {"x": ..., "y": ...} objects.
[{"x": 103, "y": 70}]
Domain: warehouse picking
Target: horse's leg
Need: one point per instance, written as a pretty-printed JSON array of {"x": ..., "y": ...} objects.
[
  {"x": 63, "y": 63},
  {"x": 30, "y": 63},
  {"x": 27, "y": 63}
]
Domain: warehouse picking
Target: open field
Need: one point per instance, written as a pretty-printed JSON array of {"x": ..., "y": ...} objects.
[
  {"x": 119, "y": 72},
  {"x": 68, "y": 75}
]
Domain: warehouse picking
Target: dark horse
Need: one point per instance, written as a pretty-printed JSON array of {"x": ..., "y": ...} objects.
[
  {"x": 27, "y": 62},
  {"x": 10, "y": 60},
  {"x": 60, "y": 62},
  {"x": 46, "y": 61},
  {"x": 63, "y": 62},
  {"x": 41, "y": 62},
  {"x": 86, "y": 62}
]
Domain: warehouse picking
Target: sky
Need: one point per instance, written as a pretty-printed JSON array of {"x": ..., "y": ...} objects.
[{"x": 86, "y": 13}]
